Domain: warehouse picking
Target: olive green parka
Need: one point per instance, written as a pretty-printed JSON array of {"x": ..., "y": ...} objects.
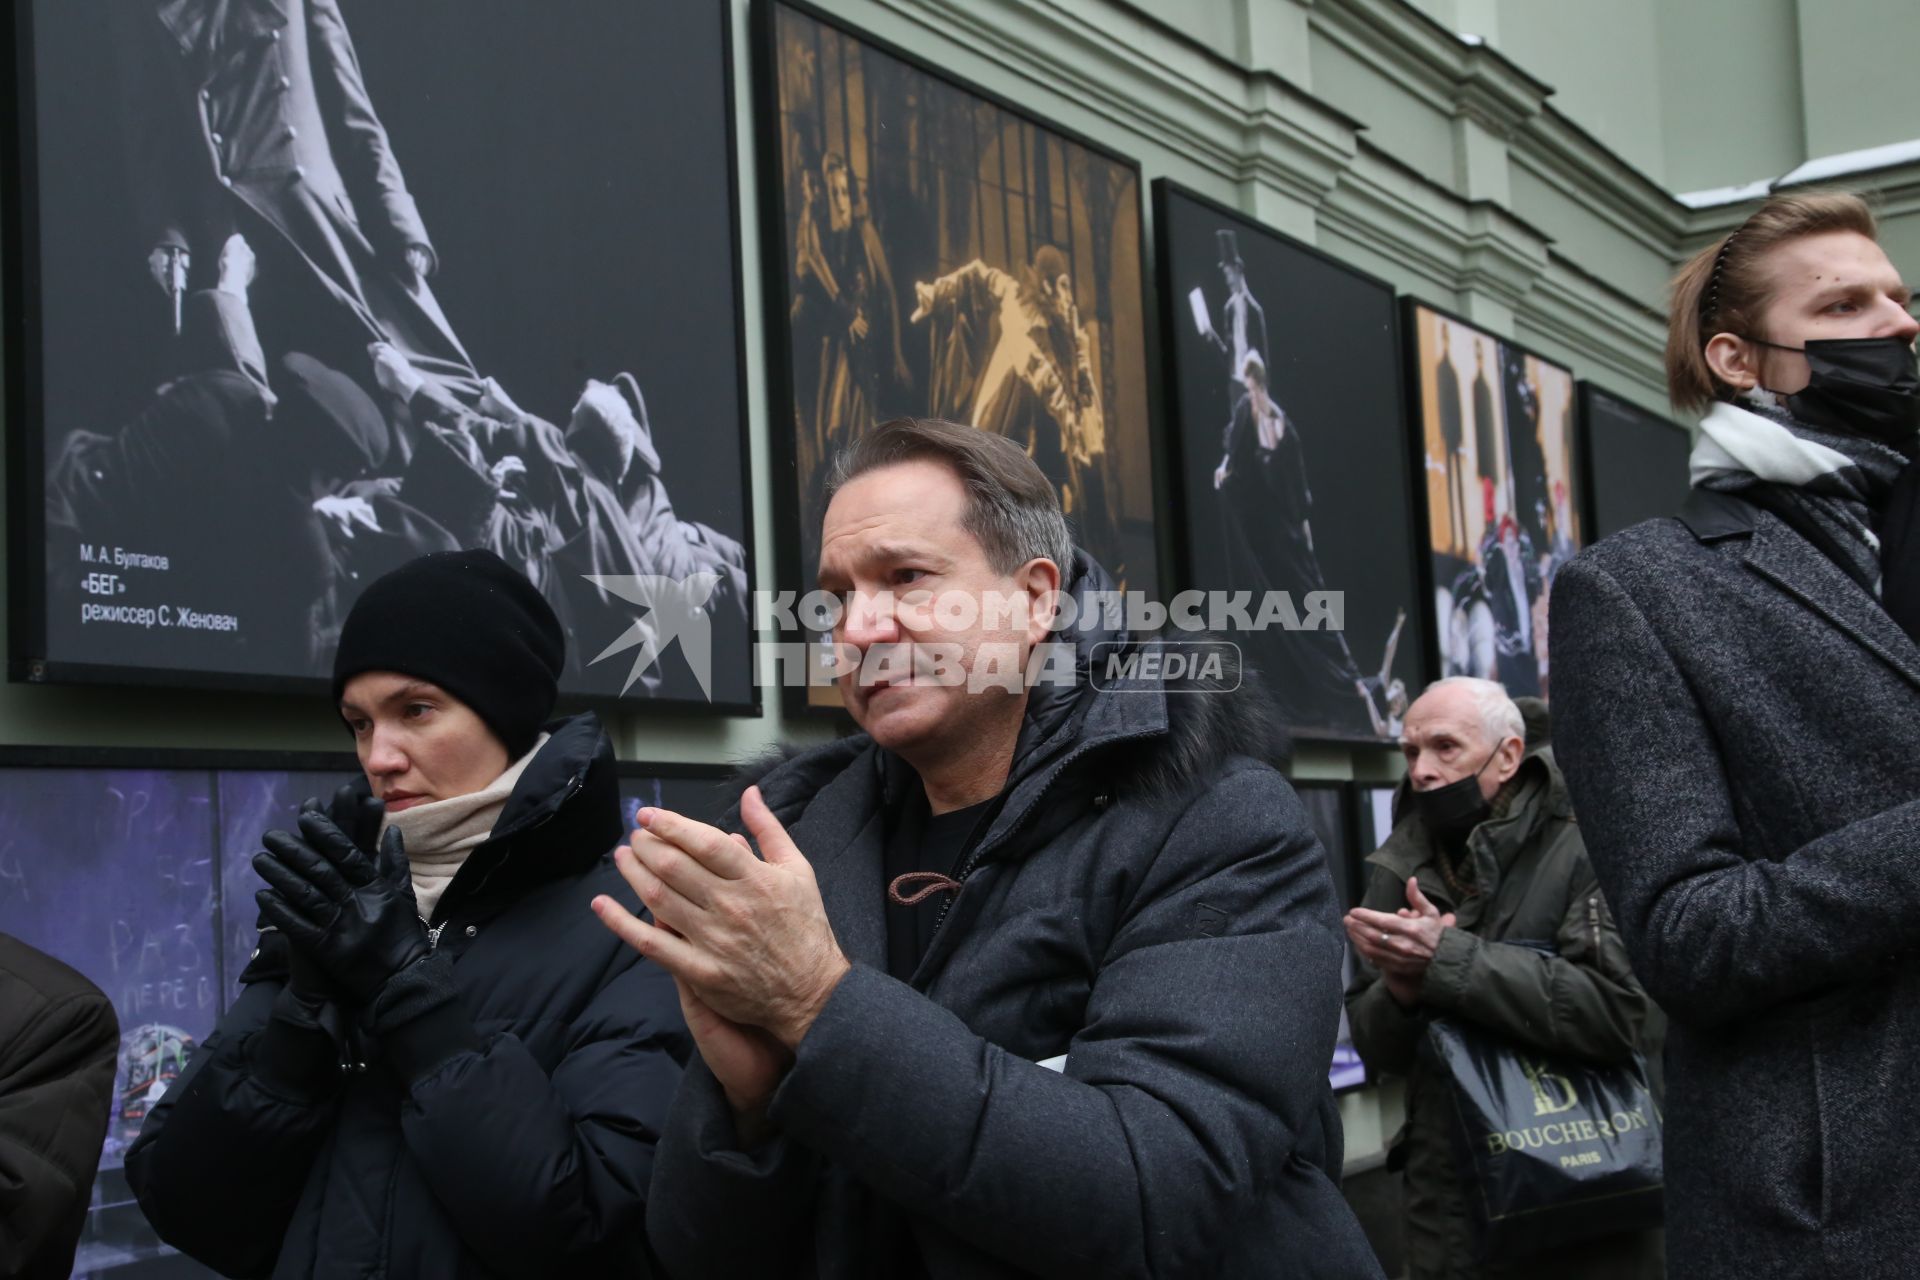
[{"x": 1530, "y": 883}]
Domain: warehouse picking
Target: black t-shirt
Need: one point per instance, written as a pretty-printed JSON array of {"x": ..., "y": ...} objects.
[
  {"x": 917, "y": 840},
  {"x": 920, "y": 840}
]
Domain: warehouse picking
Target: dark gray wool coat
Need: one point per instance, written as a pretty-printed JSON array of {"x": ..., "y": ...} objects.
[
  {"x": 1151, "y": 902},
  {"x": 1739, "y": 722}
]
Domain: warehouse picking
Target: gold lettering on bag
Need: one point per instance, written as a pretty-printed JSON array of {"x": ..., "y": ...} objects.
[
  {"x": 1567, "y": 1133},
  {"x": 1552, "y": 1092}
]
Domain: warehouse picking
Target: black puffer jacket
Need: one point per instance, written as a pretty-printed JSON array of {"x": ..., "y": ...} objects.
[
  {"x": 529, "y": 1156},
  {"x": 58, "y": 1042},
  {"x": 1149, "y": 914}
]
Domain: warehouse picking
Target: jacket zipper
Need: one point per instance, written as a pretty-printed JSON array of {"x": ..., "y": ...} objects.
[
  {"x": 973, "y": 859},
  {"x": 1593, "y": 923},
  {"x": 574, "y": 784}
]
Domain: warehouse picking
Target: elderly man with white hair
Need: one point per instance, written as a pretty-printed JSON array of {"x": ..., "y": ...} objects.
[{"x": 1481, "y": 907}]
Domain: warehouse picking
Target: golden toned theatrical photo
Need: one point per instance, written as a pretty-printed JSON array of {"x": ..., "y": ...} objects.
[{"x": 948, "y": 257}]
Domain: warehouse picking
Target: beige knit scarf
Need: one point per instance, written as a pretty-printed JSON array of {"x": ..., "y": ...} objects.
[{"x": 439, "y": 835}]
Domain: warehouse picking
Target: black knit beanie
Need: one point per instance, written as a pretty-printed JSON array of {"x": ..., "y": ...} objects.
[{"x": 469, "y": 622}]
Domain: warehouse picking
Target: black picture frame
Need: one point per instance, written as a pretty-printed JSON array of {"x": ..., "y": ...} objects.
[
  {"x": 1330, "y": 807},
  {"x": 1635, "y": 461},
  {"x": 1145, "y": 534},
  {"x": 713, "y": 471},
  {"x": 1545, "y": 530},
  {"x": 166, "y": 927},
  {"x": 1374, "y": 806},
  {"x": 1352, "y": 465}
]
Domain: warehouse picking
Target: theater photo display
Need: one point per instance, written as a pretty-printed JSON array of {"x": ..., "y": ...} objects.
[
  {"x": 1495, "y": 432},
  {"x": 942, "y": 254},
  {"x": 312, "y": 287},
  {"x": 1287, "y": 411},
  {"x": 1636, "y": 461}
]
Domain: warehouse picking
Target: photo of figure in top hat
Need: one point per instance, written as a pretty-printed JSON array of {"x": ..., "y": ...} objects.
[
  {"x": 287, "y": 220},
  {"x": 1243, "y": 322},
  {"x": 1497, "y": 438},
  {"x": 1295, "y": 482}
]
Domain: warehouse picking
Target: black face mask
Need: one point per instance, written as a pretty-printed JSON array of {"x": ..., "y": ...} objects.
[
  {"x": 1861, "y": 386},
  {"x": 1451, "y": 812}
]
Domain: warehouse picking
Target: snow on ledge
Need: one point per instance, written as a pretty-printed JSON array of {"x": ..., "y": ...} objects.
[
  {"x": 1863, "y": 161},
  {"x": 1725, "y": 195},
  {"x": 1822, "y": 169}
]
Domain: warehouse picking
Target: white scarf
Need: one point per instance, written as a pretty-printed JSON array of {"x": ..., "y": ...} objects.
[
  {"x": 1828, "y": 485},
  {"x": 438, "y": 836},
  {"x": 1739, "y": 442}
]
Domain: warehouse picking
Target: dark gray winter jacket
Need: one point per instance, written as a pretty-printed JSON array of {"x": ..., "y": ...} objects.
[
  {"x": 1149, "y": 902},
  {"x": 1739, "y": 722}
]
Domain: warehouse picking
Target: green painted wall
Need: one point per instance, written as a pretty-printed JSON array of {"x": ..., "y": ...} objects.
[
  {"x": 1701, "y": 94},
  {"x": 1857, "y": 72},
  {"x": 1401, "y": 119},
  {"x": 1602, "y": 61},
  {"x": 1730, "y": 91}
]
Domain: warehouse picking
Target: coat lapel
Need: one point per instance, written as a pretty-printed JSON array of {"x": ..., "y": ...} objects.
[
  {"x": 851, "y": 872},
  {"x": 1804, "y": 572}
]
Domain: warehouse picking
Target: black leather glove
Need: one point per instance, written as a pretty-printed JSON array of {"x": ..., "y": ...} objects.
[
  {"x": 308, "y": 986},
  {"x": 354, "y": 813},
  {"x": 360, "y": 817},
  {"x": 359, "y": 921},
  {"x": 332, "y": 902}
]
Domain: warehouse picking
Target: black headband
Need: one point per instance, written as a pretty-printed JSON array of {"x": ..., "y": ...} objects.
[{"x": 1711, "y": 312}]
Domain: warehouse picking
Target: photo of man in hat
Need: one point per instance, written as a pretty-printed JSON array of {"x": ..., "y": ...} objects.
[{"x": 1243, "y": 322}]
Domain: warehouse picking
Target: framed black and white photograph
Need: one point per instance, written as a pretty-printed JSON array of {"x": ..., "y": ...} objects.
[
  {"x": 1330, "y": 807},
  {"x": 937, "y": 252},
  {"x": 1283, "y": 377},
  {"x": 1494, "y": 435},
  {"x": 301, "y": 289},
  {"x": 1636, "y": 461},
  {"x": 135, "y": 868}
]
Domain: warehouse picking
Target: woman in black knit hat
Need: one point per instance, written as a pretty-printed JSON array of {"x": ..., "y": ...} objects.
[{"x": 435, "y": 1067}]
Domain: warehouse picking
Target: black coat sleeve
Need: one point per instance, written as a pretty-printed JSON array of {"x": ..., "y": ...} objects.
[
  {"x": 1715, "y": 935},
  {"x": 706, "y": 1182},
  {"x": 58, "y": 1086},
  {"x": 547, "y": 1173},
  {"x": 223, "y": 1157}
]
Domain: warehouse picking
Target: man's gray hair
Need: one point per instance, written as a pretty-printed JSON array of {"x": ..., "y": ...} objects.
[
  {"x": 1012, "y": 508},
  {"x": 1499, "y": 717}
]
